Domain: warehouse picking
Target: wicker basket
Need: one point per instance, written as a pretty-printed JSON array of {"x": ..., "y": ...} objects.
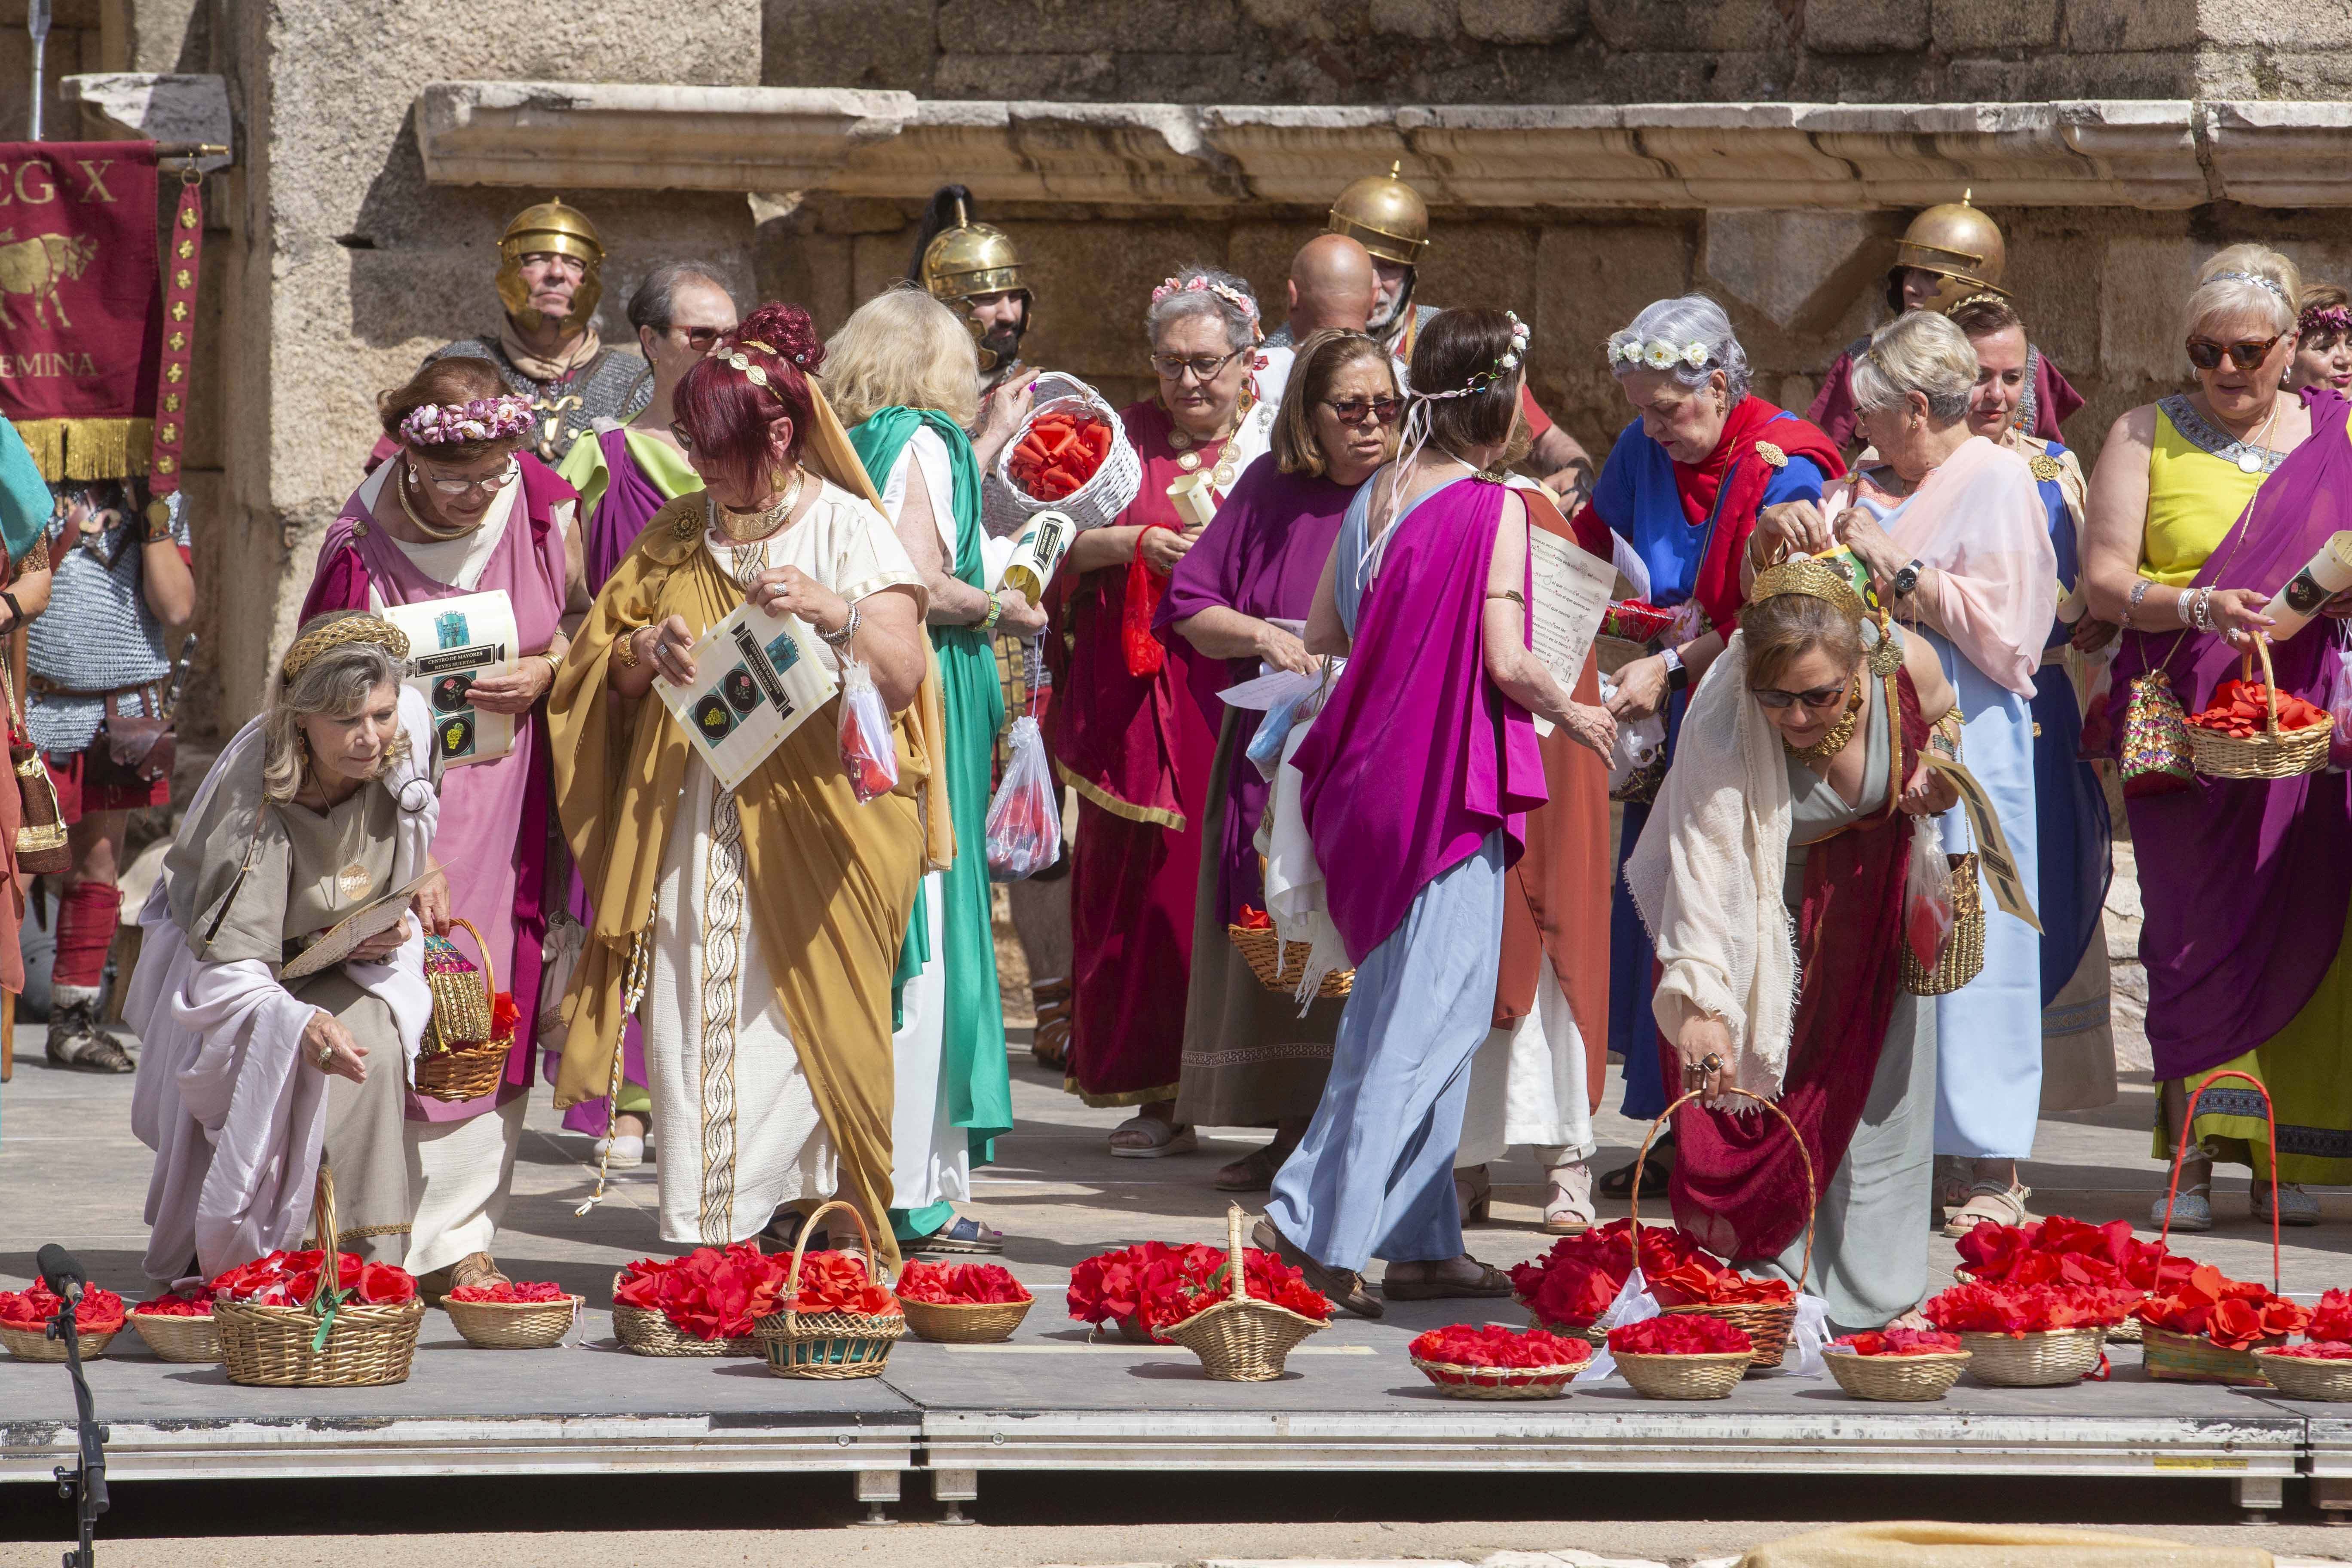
[
  {"x": 1592, "y": 1334},
  {"x": 1896, "y": 1377},
  {"x": 179, "y": 1339},
  {"x": 1458, "y": 1382},
  {"x": 647, "y": 1331},
  {"x": 460, "y": 1061},
  {"x": 2275, "y": 754},
  {"x": 2123, "y": 1333},
  {"x": 514, "y": 1325},
  {"x": 829, "y": 1344},
  {"x": 1242, "y": 1339},
  {"x": 2050, "y": 1358},
  {"x": 1962, "y": 959},
  {"x": 1270, "y": 958},
  {"x": 1711, "y": 1375},
  {"x": 2172, "y": 1357},
  {"x": 271, "y": 1347},
  {"x": 965, "y": 1322},
  {"x": 1113, "y": 486},
  {"x": 1767, "y": 1324},
  {"x": 2300, "y": 1378},
  {"x": 35, "y": 1344}
]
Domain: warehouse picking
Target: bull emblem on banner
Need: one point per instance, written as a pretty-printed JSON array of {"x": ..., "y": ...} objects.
[{"x": 35, "y": 267}]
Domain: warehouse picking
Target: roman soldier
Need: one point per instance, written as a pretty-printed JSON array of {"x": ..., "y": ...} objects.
[{"x": 1951, "y": 254}]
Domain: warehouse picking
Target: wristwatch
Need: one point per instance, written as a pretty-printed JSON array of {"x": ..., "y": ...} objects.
[
  {"x": 1677, "y": 675},
  {"x": 1906, "y": 579}
]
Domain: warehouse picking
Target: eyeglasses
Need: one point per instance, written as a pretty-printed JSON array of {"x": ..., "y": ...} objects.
[
  {"x": 701, "y": 340},
  {"x": 2206, "y": 354},
  {"x": 1354, "y": 411},
  {"x": 1205, "y": 367},
  {"x": 1820, "y": 697},
  {"x": 453, "y": 489},
  {"x": 678, "y": 434}
]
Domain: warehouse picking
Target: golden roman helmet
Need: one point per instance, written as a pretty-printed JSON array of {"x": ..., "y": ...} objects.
[
  {"x": 564, "y": 230},
  {"x": 1956, "y": 243},
  {"x": 1384, "y": 215},
  {"x": 969, "y": 259}
]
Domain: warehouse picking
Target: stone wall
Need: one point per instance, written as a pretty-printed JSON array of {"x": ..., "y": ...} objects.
[{"x": 1562, "y": 52}]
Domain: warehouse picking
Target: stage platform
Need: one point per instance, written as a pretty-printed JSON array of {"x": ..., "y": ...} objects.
[{"x": 1051, "y": 1399}]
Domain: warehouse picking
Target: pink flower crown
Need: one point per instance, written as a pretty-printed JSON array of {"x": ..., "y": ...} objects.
[
  {"x": 483, "y": 419},
  {"x": 2326, "y": 319},
  {"x": 1226, "y": 292}
]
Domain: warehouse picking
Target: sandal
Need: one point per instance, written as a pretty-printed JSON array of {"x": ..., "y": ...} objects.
[
  {"x": 1619, "y": 1183},
  {"x": 474, "y": 1268},
  {"x": 1252, "y": 1173},
  {"x": 1989, "y": 1201},
  {"x": 961, "y": 1233},
  {"x": 2192, "y": 1209},
  {"x": 1474, "y": 1194},
  {"x": 1567, "y": 1203},
  {"x": 1345, "y": 1286},
  {"x": 1951, "y": 1189},
  {"x": 784, "y": 1230},
  {"x": 1436, "y": 1286},
  {"x": 1049, "y": 1042},
  {"x": 2296, "y": 1206},
  {"x": 1151, "y": 1139}
]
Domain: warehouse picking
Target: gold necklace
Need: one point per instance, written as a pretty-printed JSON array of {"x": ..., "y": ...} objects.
[
  {"x": 1841, "y": 733},
  {"x": 765, "y": 521},
  {"x": 416, "y": 519}
]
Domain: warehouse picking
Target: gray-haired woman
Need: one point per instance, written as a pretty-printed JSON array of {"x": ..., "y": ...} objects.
[
  {"x": 1132, "y": 733},
  {"x": 1681, "y": 491},
  {"x": 248, "y": 1079}
]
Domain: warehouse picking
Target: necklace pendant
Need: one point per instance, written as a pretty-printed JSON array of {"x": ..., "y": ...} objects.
[
  {"x": 1189, "y": 461},
  {"x": 1177, "y": 439},
  {"x": 353, "y": 882},
  {"x": 2248, "y": 463}
]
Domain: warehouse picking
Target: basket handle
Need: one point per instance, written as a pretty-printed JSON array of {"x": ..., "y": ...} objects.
[
  {"x": 323, "y": 1216},
  {"x": 490, "y": 972},
  {"x": 799, "y": 1246},
  {"x": 2181, "y": 1151},
  {"x": 1236, "y": 1259},
  {"x": 1077, "y": 388},
  {"x": 1813, "y": 1187},
  {"x": 2270, "y": 683}
]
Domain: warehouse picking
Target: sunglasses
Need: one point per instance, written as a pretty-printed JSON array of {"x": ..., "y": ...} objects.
[
  {"x": 703, "y": 340},
  {"x": 1819, "y": 698},
  {"x": 2206, "y": 354},
  {"x": 1354, "y": 411},
  {"x": 1205, "y": 367}
]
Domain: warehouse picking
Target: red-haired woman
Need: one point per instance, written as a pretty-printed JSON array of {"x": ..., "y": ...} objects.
[
  {"x": 767, "y": 1020},
  {"x": 460, "y": 510}
]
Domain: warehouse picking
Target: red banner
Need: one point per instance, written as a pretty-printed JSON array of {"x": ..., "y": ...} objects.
[{"x": 80, "y": 314}]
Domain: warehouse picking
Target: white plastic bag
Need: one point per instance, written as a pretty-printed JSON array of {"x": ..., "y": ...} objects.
[
  {"x": 1639, "y": 742},
  {"x": 1024, "y": 820},
  {"x": 1927, "y": 892},
  {"x": 868, "y": 754}
]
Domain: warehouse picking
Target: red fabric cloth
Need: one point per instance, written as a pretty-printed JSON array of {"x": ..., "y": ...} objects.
[
  {"x": 1131, "y": 889},
  {"x": 1739, "y": 1184},
  {"x": 1734, "y": 473},
  {"x": 83, "y": 220},
  {"x": 87, "y": 914},
  {"x": 83, "y": 785},
  {"x": 1538, "y": 420}
]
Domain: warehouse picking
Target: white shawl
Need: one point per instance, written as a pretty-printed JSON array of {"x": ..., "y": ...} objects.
[
  {"x": 1706, "y": 877},
  {"x": 235, "y": 1116}
]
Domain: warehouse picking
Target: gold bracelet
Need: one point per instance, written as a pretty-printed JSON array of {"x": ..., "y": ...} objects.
[{"x": 625, "y": 652}]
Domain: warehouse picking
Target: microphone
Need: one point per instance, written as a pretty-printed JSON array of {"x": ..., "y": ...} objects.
[{"x": 60, "y": 1272}]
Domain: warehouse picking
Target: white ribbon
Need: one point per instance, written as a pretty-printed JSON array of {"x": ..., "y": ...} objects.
[{"x": 1633, "y": 1304}]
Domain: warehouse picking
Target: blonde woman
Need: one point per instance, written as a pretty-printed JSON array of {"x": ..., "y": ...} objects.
[{"x": 904, "y": 377}]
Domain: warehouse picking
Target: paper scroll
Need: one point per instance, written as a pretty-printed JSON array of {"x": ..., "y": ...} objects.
[
  {"x": 1194, "y": 495},
  {"x": 1992, "y": 844},
  {"x": 453, "y": 643},
  {"x": 1572, "y": 587},
  {"x": 1043, "y": 541},
  {"x": 2323, "y": 577},
  {"x": 757, "y": 678}
]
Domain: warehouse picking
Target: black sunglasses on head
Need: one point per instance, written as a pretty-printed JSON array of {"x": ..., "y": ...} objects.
[{"x": 2206, "y": 354}]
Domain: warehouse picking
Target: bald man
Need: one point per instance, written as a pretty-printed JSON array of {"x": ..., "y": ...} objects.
[{"x": 1333, "y": 284}]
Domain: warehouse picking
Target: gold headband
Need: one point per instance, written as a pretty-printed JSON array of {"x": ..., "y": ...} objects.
[
  {"x": 1813, "y": 576},
  {"x": 339, "y": 634}
]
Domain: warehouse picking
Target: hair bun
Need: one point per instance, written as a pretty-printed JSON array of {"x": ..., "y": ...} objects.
[{"x": 788, "y": 330}]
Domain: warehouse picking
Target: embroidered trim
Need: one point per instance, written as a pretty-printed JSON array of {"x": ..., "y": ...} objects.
[
  {"x": 2078, "y": 1017},
  {"x": 2029, "y": 407},
  {"x": 1172, "y": 821},
  {"x": 2215, "y": 443},
  {"x": 722, "y": 957},
  {"x": 364, "y": 1232}
]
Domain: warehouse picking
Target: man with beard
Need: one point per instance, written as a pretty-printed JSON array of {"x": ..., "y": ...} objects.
[{"x": 546, "y": 347}]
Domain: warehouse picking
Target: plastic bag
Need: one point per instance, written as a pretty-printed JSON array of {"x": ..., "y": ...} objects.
[
  {"x": 1641, "y": 743},
  {"x": 1024, "y": 820},
  {"x": 1927, "y": 893},
  {"x": 868, "y": 753}
]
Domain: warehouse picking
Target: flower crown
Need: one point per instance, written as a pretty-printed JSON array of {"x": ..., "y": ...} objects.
[
  {"x": 1660, "y": 354},
  {"x": 483, "y": 419},
  {"x": 2325, "y": 319},
  {"x": 342, "y": 633},
  {"x": 1197, "y": 284},
  {"x": 1508, "y": 361}
]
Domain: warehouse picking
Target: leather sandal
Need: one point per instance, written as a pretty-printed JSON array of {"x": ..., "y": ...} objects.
[
  {"x": 1990, "y": 1202},
  {"x": 1567, "y": 1200},
  {"x": 1252, "y": 1173},
  {"x": 1434, "y": 1285},
  {"x": 1619, "y": 1183},
  {"x": 474, "y": 1268},
  {"x": 1158, "y": 1139},
  {"x": 1049, "y": 1042},
  {"x": 1345, "y": 1286},
  {"x": 961, "y": 1233}
]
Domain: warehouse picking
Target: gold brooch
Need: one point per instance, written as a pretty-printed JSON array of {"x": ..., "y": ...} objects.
[
  {"x": 1772, "y": 454},
  {"x": 2045, "y": 467}
]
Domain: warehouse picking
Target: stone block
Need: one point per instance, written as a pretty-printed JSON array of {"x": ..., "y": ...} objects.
[
  {"x": 1685, "y": 26},
  {"x": 807, "y": 268},
  {"x": 1865, "y": 26},
  {"x": 2273, "y": 24},
  {"x": 1524, "y": 21},
  {"x": 1094, "y": 281},
  {"x": 1489, "y": 266},
  {"x": 1078, "y": 76},
  {"x": 2057, "y": 73},
  {"x": 2108, "y": 27},
  {"x": 1590, "y": 279},
  {"x": 1157, "y": 77},
  {"x": 1261, "y": 252},
  {"x": 1085, "y": 26},
  {"x": 2140, "y": 318},
  {"x": 1414, "y": 19},
  {"x": 2056, "y": 273},
  {"x": 1800, "y": 269},
  {"x": 1963, "y": 27},
  {"x": 849, "y": 43}
]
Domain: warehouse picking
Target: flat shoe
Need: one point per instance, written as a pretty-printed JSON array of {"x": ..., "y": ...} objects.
[
  {"x": 1491, "y": 1283},
  {"x": 1167, "y": 1139},
  {"x": 1343, "y": 1286},
  {"x": 626, "y": 1152},
  {"x": 2296, "y": 1206},
  {"x": 2192, "y": 1209},
  {"x": 962, "y": 1234}
]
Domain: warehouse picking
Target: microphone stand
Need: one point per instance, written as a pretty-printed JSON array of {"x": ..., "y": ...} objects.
[{"x": 85, "y": 1482}]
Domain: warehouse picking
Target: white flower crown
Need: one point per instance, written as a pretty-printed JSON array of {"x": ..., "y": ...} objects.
[{"x": 1660, "y": 354}]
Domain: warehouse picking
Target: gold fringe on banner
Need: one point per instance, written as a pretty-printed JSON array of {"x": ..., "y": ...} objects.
[{"x": 88, "y": 448}]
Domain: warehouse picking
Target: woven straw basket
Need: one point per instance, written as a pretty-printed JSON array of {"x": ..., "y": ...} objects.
[
  {"x": 1962, "y": 959},
  {"x": 1114, "y": 485},
  {"x": 829, "y": 1344},
  {"x": 2275, "y": 754},
  {"x": 1242, "y": 1339},
  {"x": 1271, "y": 958},
  {"x": 271, "y": 1347},
  {"x": 1896, "y": 1377},
  {"x": 514, "y": 1325},
  {"x": 35, "y": 1344},
  {"x": 2172, "y": 1357},
  {"x": 2299, "y": 1377},
  {"x": 1709, "y": 1376},
  {"x": 965, "y": 1322},
  {"x": 1768, "y": 1324},
  {"x": 2050, "y": 1358},
  {"x": 179, "y": 1339},
  {"x": 460, "y": 1061},
  {"x": 1459, "y": 1382},
  {"x": 647, "y": 1331},
  {"x": 1590, "y": 1333},
  {"x": 2123, "y": 1333}
]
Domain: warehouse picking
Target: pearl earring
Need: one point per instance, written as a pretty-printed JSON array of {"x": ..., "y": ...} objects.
[{"x": 412, "y": 475}]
